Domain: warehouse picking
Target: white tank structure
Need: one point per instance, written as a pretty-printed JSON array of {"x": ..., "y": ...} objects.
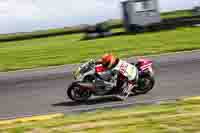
[{"x": 140, "y": 13}]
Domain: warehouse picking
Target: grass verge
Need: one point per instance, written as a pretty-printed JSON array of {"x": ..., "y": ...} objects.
[
  {"x": 177, "y": 14},
  {"x": 69, "y": 49},
  {"x": 178, "y": 117}
]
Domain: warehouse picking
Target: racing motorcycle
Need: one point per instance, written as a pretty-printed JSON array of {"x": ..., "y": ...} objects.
[{"x": 92, "y": 79}]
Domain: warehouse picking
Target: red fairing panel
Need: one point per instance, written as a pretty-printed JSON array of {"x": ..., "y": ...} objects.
[
  {"x": 100, "y": 68},
  {"x": 144, "y": 64}
]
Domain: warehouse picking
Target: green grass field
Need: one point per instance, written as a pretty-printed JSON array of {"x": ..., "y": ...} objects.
[
  {"x": 37, "y": 34},
  {"x": 176, "y": 14},
  {"x": 178, "y": 117},
  {"x": 67, "y": 49}
]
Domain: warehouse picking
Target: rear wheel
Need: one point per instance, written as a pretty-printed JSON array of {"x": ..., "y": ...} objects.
[
  {"x": 145, "y": 84},
  {"x": 75, "y": 93}
]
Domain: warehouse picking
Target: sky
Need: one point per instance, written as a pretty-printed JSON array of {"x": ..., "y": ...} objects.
[{"x": 30, "y": 15}]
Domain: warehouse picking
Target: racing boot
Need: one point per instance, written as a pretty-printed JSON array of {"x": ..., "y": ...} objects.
[{"x": 125, "y": 92}]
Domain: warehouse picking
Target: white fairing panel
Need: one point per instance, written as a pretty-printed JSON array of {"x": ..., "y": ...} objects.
[{"x": 126, "y": 69}]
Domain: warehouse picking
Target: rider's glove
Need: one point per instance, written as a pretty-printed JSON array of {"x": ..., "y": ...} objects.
[{"x": 92, "y": 61}]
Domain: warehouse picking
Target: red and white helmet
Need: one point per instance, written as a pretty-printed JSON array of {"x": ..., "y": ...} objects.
[{"x": 108, "y": 60}]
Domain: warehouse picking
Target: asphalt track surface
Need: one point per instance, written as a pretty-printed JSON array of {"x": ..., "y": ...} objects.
[{"x": 42, "y": 91}]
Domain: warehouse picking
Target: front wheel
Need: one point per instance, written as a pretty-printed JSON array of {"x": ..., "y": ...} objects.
[
  {"x": 145, "y": 84},
  {"x": 75, "y": 93}
]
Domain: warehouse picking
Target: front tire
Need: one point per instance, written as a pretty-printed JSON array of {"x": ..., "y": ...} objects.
[
  {"x": 145, "y": 84},
  {"x": 77, "y": 94}
]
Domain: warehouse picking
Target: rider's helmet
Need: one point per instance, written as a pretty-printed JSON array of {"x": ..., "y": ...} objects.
[{"x": 108, "y": 60}]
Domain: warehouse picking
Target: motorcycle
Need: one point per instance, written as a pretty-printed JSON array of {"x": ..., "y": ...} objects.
[{"x": 91, "y": 79}]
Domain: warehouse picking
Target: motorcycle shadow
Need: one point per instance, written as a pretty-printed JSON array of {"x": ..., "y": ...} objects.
[{"x": 93, "y": 101}]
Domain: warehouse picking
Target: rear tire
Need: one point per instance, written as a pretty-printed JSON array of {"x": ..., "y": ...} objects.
[{"x": 75, "y": 93}]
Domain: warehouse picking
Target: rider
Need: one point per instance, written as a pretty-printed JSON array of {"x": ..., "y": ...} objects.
[{"x": 114, "y": 64}]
